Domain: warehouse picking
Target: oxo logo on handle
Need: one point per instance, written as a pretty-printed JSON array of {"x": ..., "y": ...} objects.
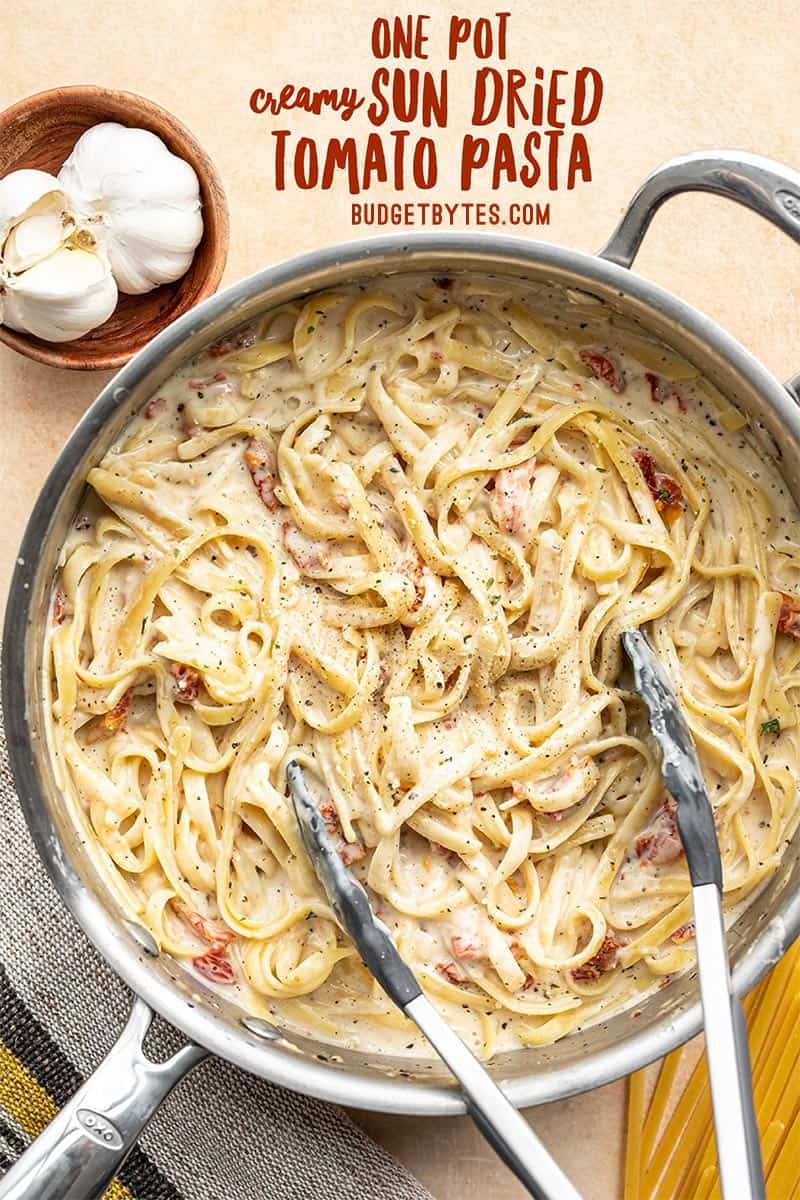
[
  {"x": 99, "y": 1128},
  {"x": 789, "y": 202}
]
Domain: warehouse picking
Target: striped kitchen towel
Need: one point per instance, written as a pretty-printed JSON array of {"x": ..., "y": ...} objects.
[{"x": 221, "y": 1135}]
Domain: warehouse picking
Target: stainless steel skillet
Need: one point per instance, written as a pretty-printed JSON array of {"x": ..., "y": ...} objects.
[{"x": 84, "y": 1147}]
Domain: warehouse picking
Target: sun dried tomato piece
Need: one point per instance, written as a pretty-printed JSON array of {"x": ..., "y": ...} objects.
[
  {"x": 663, "y": 390},
  {"x": 349, "y": 852},
  {"x": 661, "y": 841},
  {"x": 307, "y": 554},
  {"x": 59, "y": 607},
  {"x": 604, "y": 369},
  {"x": 215, "y": 966},
  {"x": 510, "y": 500},
  {"x": 665, "y": 490},
  {"x": 187, "y": 681},
  {"x": 234, "y": 341},
  {"x": 452, "y": 973},
  {"x": 113, "y": 720},
  {"x": 468, "y": 947},
  {"x": 189, "y": 427},
  {"x": 789, "y": 616},
  {"x": 647, "y": 465},
  {"x": 352, "y": 852},
  {"x": 154, "y": 406},
  {"x": 604, "y": 960},
  {"x": 261, "y": 464},
  {"x": 330, "y": 818},
  {"x": 206, "y": 929},
  {"x": 198, "y": 385}
]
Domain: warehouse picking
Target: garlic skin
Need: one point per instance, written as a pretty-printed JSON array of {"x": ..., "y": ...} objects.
[
  {"x": 63, "y": 296},
  {"x": 141, "y": 201}
]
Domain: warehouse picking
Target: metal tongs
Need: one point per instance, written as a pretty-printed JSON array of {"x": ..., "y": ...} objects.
[
  {"x": 499, "y": 1122},
  {"x": 735, "y": 1129}
]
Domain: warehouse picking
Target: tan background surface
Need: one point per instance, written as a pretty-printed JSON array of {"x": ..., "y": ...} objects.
[{"x": 678, "y": 76}]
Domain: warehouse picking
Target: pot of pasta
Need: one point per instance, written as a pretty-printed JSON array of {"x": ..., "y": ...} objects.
[{"x": 385, "y": 510}]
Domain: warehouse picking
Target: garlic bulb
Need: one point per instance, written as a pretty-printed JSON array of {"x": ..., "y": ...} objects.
[
  {"x": 141, "y": 201},
  {"x": 55, "y": 281}
]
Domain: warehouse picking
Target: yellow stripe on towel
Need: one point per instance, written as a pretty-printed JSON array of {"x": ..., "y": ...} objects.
[{"x": 24, "y": 1099}]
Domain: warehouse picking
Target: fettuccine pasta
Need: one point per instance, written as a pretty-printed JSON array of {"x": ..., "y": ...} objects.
[{"x": 394, "y": 532}]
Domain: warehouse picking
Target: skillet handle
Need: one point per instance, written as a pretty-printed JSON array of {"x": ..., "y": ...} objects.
[
  {"x": 768, "y": 188},
  {"x": 80, "y": 1152}
]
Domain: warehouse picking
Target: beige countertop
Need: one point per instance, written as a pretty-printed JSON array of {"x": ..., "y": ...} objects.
[{"x": 678, "y": 77}]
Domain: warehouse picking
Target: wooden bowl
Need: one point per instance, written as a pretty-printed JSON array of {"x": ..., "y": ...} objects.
[{"x": 41, "y": 132}]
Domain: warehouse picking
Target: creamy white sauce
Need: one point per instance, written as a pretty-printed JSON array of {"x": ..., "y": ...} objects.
[{"x": 394, "y": 532}]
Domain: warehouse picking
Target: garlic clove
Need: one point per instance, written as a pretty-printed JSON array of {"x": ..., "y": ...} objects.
[
  {"x": 62, "y": 297},
  {"x": 21, "y": 191},
  {"x": 94, "y": 157},
  {"x": 151, "y": 246},
  {"x": 135, "y": 167},
  {"x": 35, "y": 237},
  {"x": 83, "y": 173},
  {"x": 142, "y": 200},
  {"x": 160, "y": 228}
]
